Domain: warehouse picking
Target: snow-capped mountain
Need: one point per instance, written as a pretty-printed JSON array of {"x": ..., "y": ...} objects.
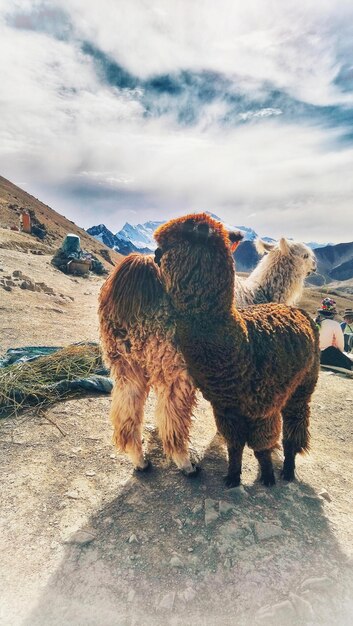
[
  {"x": 314, "y": 245},
  {"x": 139, "y": 237},
  {"x": 119, "y": 243},
  {"x": 249, "y": 233}
]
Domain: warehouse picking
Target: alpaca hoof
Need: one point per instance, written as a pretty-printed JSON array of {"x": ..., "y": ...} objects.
[
  {"x": 193, "y": 473},
  {"x": 268, "y": 480},
  {"x": 288, "y": 475},
  {"x": 145, "y": 468},
  {"x": 231, "y": 481}
]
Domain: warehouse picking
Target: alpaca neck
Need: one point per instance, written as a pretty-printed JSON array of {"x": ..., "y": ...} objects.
[{"x": 276, "y": 280}]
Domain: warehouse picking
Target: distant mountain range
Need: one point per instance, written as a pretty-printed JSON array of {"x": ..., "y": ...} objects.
[
  {"x": 139, "y": 238},
  {"x": 335, "y": 261}
]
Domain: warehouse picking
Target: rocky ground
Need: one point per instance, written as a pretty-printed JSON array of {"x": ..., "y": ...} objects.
[{"x": 86, "y": 541}]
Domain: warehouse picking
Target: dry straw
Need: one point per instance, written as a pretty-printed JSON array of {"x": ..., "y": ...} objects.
[{"x": 34, "y": 383}]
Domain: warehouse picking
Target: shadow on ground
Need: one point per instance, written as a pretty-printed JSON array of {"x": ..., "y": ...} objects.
[{"x": 264, "y": 556}]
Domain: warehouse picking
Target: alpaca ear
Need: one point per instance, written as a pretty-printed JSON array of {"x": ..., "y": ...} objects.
[
  {"x": 158, "y": 253},
  {"x": 235, "y": 237},
  {"x": 188, "y": 227},
  {"x": 202, "y": 231},
  {"x": 262, "y": 247},
  {"x": 284, "y": 246}
]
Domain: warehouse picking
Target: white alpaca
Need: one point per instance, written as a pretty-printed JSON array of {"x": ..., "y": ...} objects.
[{"x": 279, "y": 276}]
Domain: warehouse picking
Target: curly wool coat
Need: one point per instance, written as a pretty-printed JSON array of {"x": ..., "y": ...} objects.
[{"x": 252, "y": 366}]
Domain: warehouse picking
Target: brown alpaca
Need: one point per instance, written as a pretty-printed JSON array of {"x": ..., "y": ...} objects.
[
  {"x": 252, "y": 366},
  {"x": 137, "y": 333}
]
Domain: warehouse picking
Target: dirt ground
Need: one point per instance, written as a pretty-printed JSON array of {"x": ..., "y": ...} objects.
[{"x": 86, "y": 541}]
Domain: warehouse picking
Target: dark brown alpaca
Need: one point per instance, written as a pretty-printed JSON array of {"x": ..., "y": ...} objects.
[{"x": 252, "y": 366}]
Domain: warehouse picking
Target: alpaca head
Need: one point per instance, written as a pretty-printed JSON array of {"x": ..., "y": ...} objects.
[
  {"x": 197, "y": 267},
  {"x": 300, "y": 254},
  {"x": 281, "y": 273}
]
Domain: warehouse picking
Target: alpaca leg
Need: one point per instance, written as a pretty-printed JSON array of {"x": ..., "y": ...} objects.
[
  {"x": 265, "y": 462},
  {"x": 175, "y": 402},
  {"x": 233, "y": 427},
  {"x": 235, "y": 457},
  {"x": 263, "y": 436},
  {"x": 296, "y": 434},
  {"x": 128, "y": 399}
]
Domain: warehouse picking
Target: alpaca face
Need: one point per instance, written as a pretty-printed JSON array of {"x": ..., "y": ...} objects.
[
  {"x": 305, "y": 258},
  {"x": 301, "y": 256},
  {"x": 204, "y": 282}
]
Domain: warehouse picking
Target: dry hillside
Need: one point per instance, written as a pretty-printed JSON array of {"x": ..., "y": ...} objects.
[{"x": 12, "y": 199}]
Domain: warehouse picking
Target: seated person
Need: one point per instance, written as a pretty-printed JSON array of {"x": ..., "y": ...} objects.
[
  {"x": 331, "y": 337},
  {"x": 347, "y": 328}
]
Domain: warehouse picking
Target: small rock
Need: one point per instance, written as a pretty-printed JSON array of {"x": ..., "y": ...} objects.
[
  {"x": 167, "y": 602},
  {"x": 200, "y": 539},
  {"x": 90, "y": 473},
  {"x": 131, "y": 595},
  {"x": 325, "y": 494},
  {"x": 82, "y": 537},
  {"x": 319, "y": 584},
  {"x": 238, "y": 491},
  {"x": 190, "y": 549},
  {"x": 284, "y": 611},
  {"x": 264, "y": 530},
  {"x": 75, "y": 450},
  {"x": 188, "y": 594},
  {"x": 303, "y": 607},
  {"x": 197, "y": 509},
  {"x": 211, "y": 515},
  {"x": 232, "y": 529},
  {"x": 7, "y": 287},
  {"x": 176, "y": 562},
  {"x": 225, "y": 507},
  {"x": 27, "y": 284},
  {"x": 311, "y": 500},
  {"x": 281, "y": 613},
  {"x": 133, "y": 539},
  {"x": 228, "y": 563},
  {"x": 178, "y": 522},
  {"x": 210, "y": 504},
  {"x": 74, "y": 495}
]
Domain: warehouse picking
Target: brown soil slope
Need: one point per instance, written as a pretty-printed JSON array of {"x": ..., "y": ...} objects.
[{"x": 12, "y": 199}]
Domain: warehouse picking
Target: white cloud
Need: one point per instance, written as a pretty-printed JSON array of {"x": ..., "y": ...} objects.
[
  {"x": 293, "y": 44},
  {"x": 61, "y": 127}
]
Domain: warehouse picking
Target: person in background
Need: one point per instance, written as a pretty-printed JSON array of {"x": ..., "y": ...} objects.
[
  {"x": 347, "y": 329},
  {"x": 331, "y": 337}
]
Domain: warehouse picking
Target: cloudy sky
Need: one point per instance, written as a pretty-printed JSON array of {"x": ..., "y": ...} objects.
[{"x": 129, "y": 110}]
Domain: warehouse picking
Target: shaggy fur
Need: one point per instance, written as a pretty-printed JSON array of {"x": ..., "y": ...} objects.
[
  {"x": 252, "y": 366},
  {"x": 280, "y": 275},
  {"x": 138, "y": 338}
]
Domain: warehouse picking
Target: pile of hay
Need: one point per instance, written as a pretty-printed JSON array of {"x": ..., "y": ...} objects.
[{"x": 47, "y": 379}]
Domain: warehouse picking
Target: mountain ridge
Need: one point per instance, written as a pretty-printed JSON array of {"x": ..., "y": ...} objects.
[
  {"x": 335, "y": 261},
  {"x": 13, "y": 199}
]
